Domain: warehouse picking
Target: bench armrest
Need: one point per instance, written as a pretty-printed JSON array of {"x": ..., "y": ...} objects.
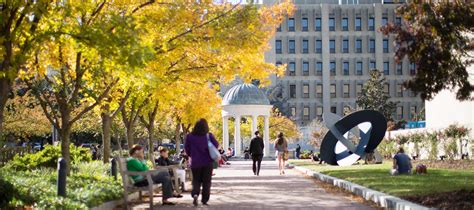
[{"x": 144, "y": 173}]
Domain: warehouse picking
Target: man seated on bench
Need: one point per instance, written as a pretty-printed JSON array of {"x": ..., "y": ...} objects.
[
  {"x": 163, "y": 160},
  {"x": 401, "y": 163},
  {"x": 137, "y": 162}
]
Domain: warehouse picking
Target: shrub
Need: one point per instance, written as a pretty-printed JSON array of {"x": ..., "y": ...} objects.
[
  {"x": 431, "y": 138},
  {"x": 305, "y": 154},
  {"x": 387, "y": 148},
  {"x": 48, "y": 157},
  {"x": 88, "y": 185},
  {"x": 7, "y": 193}
]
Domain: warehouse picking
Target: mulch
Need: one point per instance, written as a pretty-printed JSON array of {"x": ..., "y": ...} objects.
[
  {"x": 461, "y": 199},
  {"x": 447, "y": 164}
]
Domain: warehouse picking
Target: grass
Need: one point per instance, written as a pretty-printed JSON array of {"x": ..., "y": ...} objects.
[{"x": 377, "y": 177}]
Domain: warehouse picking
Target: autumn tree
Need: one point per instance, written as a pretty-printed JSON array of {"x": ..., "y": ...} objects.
[
  {"x": 20, "y": 35},
  {"x": 435, "y": 36},
  {"x": 374, "y": 97},
  {"x": 87, "y": 39}
]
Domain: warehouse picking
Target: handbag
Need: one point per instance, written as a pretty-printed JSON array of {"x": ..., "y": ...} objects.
[
  {"x": 213, "y": 152},
  {"x": 285, "y": 155}
]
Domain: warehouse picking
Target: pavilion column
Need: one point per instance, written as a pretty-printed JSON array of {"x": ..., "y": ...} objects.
[
  {"x": 266, "y": 136},
  {"x": 225, "y": 133},
  {"x": 237, "y": 141},
  {"x": 254, "y": 124}
]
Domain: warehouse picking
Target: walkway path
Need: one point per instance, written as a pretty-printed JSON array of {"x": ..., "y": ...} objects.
[{"x": 235, "y": 187}]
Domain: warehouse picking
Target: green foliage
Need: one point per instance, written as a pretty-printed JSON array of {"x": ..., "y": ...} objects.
[
  {"x": 7, "y": 192},
  {"x": 305, "y": 154},
  {"x": 387, "y": 148},
  {"x": 88, "y": 185},
  {"x": 432, "y": 139},
  {"x": 48, "y": 157},
  {"x": 435, "y": 36},
  {"x": 374, "y": 97}
]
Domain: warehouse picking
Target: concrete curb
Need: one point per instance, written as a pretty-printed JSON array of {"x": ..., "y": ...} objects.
[
  {"x": 382, "y": 199},
  {"x": 113, "y": 204}
]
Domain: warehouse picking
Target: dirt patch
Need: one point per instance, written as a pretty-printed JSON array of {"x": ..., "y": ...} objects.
[
  {"x": 447, "y": 164},
  {"x": 461, "y": 199}
]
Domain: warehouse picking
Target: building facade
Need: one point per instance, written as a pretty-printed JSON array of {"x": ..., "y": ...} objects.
[{"x": 329, "y": 46}]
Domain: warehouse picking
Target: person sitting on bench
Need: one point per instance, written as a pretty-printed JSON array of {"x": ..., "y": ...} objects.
[
  {"x": 164, "y": 160},
  {"x": 137, "y": 162}
]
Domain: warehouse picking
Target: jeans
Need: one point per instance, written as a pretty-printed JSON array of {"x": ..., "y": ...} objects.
[
  {"x": 257, "y": 162},
  {"x": 162, "y": 177},
  {"x": 202, "y": 176}
]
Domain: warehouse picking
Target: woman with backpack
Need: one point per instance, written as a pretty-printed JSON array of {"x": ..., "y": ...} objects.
[
  {"x": 281, "y": 148},
  {"x": 201, "y": 162}
]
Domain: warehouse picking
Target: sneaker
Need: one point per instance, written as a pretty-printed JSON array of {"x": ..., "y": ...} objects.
[{"x": 195, "y": 200}]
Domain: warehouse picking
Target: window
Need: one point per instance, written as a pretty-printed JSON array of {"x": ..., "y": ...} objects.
[
  {"x": 359, "y": 68},
  {"x": 400, "y": 90},
  {"x": 333, "y": 91},
  {"x": 412, "y": 68},
  {"x": 386, "y": 88},
  {"x": 305, "y": 68},
  {"x": 319, "y": 111},
  {"x": 332, "y": 24},
  {"x": 319, "y": 68},
  {"x": 345, "y": 68},
  {"x": 293, "y": 111},
  {"x": 372, "y": 46},
  {"x": 318, "y": 46},
  {"x": 278, "y": 46},
  {"x": 332, "y": 46},
  {"x": 319, "y": 91},
  {"x": 359, "y": 89},
  {"x": 371, "y": 24},
  {"x": 400, "y": 112},
  {"x": 384, "y": 21},
  {"x": 305, "y": 46},
  {"x": 372, "y": 65},
  {"x": 305, "y": 91},
  {"x": 317, "y": 24},
  {"x": 278, "y": 63},
  {"x": 292, "y": 68},
  {"x": 291, "y": 24},
  {"x": 279, "y": 28},
  {"x": 345, "y": 90},
  {"x": 291, "y": 46},
  {"x": 304, "y": 24},
  {"x": 292, "y": 91},
  {"x": 333, "y": 109},
  {"x": 332, "y": 68},
  {"x": 398, "y": 21},
  {"x": 399, "y": 69},
  {"x": 386, "y": 70},
  {"x": 306, "y": 113},
  {"x": 385, "y": 46},
  {"x": 345, "y": 24},
  {"x": 358, "y": 45},
  {"x": 413, "y": 113},
  {"x": 345, "y": 46},
  {"x": 358, "y": 24}
]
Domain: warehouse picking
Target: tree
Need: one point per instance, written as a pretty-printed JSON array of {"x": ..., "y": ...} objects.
[
  {"x": 317, "y": 131},
  {"x": 435, "y": 37},
  {"x": 280, "y": 123},
  {"x": 88, "y": 42},
  {"x": 374, "y": 97},
  {"x": 19, "y": 37}
]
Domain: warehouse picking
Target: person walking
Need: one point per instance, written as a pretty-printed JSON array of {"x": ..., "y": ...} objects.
[
  {"x": 201, "y": 163},
  {"x": 281, "y": 148},
  {"x": 256, "y": 150},
  {"x": 298, "y": 151}
]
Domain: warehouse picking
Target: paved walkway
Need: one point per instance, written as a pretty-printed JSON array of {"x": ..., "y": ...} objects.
[{"x": 235, "y": 187}]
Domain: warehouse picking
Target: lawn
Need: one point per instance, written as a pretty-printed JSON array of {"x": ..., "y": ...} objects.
[{"x": 377, "y": 177}]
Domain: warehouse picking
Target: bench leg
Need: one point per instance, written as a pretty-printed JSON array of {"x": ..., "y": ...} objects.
[
  {"x": 151, "y": 196},
  {"x": 125, "y": 198}
]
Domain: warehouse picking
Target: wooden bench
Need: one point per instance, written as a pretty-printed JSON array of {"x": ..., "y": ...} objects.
[
  {"x": 128, "y": 186},
  {"x": 174, "y": 178}
]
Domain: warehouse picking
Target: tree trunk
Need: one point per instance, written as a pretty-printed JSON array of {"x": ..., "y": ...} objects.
[
  {"x": 106, "y": 125},
  {"x": 65, "y": 133},
  {"x": 129, "y": 134},
  {"x": 151, "y": 131},
  {"x": 177, "y": 138},
  {"x": 5, "y": 87}
]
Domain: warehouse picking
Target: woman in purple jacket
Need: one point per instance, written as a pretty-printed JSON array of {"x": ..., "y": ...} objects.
[{"x": 201, "y": 162}]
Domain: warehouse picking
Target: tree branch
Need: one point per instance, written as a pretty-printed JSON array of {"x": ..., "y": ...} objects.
[
  {"x": 93, "y": 15},
  {"x": 122, "y": 104},
  {"x": 77, "y": 82}
]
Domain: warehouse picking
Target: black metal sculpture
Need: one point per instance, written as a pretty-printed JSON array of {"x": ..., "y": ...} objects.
[{"x": 366, "y": 126}]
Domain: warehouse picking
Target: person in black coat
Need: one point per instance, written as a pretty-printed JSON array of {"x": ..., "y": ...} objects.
[{"x": 256, "y": 150}]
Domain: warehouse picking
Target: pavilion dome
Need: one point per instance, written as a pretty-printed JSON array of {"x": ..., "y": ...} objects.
[{"x": 245, "y": 94}]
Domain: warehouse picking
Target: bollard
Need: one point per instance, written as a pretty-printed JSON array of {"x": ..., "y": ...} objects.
[
  {"x": 62, "y": 174},
  {"x": 113, "y": 171}
]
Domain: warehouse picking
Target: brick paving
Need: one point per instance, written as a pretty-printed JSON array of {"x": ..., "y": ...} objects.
[{"x": 235, "y": 187}]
